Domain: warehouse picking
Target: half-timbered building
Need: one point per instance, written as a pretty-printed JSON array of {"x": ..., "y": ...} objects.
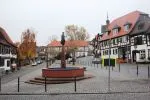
[
  {"x": 125, "y": 39},
  {"x": 140, "y": 39},
  {"x": 8, "y": 51}
]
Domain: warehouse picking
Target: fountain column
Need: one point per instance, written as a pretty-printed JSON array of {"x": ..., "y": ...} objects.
[{"x": 63, "y": 60}]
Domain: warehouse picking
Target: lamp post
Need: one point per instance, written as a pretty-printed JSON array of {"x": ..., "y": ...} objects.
[
  {"x": 135, "y": 46},
  {"x": 109, "y": 66},
  {"x": 119, "y": 53},
  {"x": 127, "y": 50},
  {"x": 47, "y": 57}
]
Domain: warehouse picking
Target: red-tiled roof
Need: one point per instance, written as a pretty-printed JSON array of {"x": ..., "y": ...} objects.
[
  {"x": 3, "y": 32},
  {"x": 131, "y": 18},
  {"x": 78, "y": 43}
]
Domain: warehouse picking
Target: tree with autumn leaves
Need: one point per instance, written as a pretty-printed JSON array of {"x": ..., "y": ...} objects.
[{"x": 27, "y": 47}]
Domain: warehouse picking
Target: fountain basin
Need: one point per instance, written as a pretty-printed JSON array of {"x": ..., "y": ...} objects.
[{"x": 68, "y": 72}]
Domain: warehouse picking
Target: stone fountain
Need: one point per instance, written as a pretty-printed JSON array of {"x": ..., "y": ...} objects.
[
  {"x": 62, "y": 74},
  {"x": 64, "y": 71}
]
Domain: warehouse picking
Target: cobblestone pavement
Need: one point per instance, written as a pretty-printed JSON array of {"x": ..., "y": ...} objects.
[
  {"x": 127, "y": 96},
  {"x": 125, "y": 82},
  {"x": 19, "y": 73}
]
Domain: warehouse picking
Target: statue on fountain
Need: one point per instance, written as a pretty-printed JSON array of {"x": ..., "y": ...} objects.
[{"x": 63, "y": 61}]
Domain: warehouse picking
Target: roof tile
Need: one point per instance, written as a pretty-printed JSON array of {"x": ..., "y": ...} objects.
[{"x": 131, "y": 17}]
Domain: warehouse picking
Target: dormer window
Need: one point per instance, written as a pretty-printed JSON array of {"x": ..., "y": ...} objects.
[
  {"x": 116, "y": 29},
  {"x": 140, "y": 26},
  {"x": 127, "y": 26}
]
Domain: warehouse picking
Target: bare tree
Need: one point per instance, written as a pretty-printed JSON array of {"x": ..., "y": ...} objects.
[{"x": 75, "y": 32}]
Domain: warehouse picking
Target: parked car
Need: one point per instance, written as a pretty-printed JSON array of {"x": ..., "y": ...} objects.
[
  {"x": 34, "y": 63},
  {"x": 39, "y": 62}
]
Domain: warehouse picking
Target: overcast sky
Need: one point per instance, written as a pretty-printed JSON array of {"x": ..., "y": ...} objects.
[{"x": 49, "y": 17}]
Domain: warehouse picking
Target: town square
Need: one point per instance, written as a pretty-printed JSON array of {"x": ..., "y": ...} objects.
[{"x": 79, "y": 50}]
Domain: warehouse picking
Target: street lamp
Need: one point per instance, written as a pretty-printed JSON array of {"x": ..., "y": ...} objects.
[
  {"x": 119, "y": 53},
  {"x": 109, "y": 66},
  {"x": 47, "y": 56},
  {"x": 135, "y": 47}
]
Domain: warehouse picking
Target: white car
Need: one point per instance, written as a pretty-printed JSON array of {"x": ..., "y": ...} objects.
[
  {"x": 39, "y": 62},
  {"x": 34, "y": 64}
]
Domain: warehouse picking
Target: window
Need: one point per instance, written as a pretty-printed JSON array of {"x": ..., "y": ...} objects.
[
  {"x": 116, "y": 51},
  {"x": 1, "y": 62},
  {"x": 140, "y": 26},
  {"x": 102, "y": 44},
  {"x": 118, "y": 40},
  {"x": 127, "y": 27},
  {"x": 113, "y": 51},
  {"x": 138, "y": 40},
  {"x": 8, "y": 63},
  {"x": 106, "y": 52},
  {"x": 142, "y": 54},
  {"x": 124, "y": 39},
  {"x": 113, "y": 41},
  {"x": 0, "y": 49},
  {"x": 148, "y": 54},
  {"x": 115, "y": 31},
  {"x": 110, "y": 52}
]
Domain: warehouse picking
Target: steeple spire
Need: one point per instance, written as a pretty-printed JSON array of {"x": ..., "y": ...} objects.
[
  {"x": 107, "y": 21},
  {"x": 107, "y": 15}
]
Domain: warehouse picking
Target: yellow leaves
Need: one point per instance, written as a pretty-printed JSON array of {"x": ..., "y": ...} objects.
[{"x": 27, "y": 48}]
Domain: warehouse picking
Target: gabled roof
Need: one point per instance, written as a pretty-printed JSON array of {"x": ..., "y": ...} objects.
[
  {"x": 77, "y": 43},
  {"x": 7, "y": 38},
  {"x": 144, "y": 22},
  {"x": 131, "y": 17}
]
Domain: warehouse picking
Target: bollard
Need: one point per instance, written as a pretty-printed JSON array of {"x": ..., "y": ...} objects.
[
  {"x": 148, "y": 71},
  {"x": 18, "y": 84},
  {"x": 45, "y": 85},
  {"x": 112, "y": 68},
  {"x": 75, "y": 85},
  {"x": 137, "y": 69},
  {"x": 119, "y": 67},
  {"x": 97, "y": 65},
  {"x": 0, "y": 84}
]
